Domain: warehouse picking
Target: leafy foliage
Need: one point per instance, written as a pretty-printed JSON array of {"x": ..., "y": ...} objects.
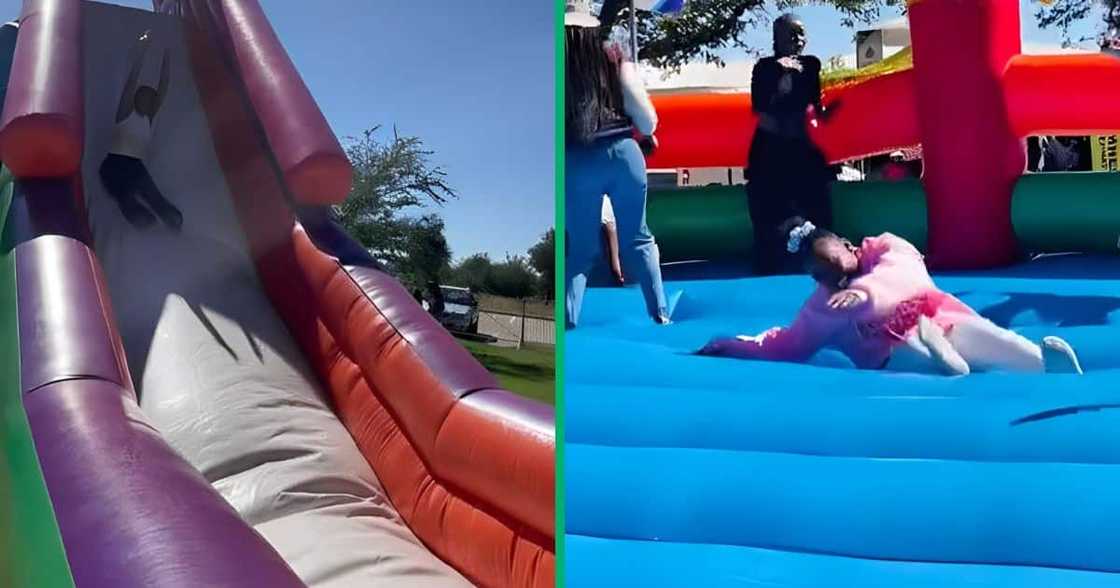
[
  {"x": 1063, "y": 14},
  {"x": 707, "y": 27},
  {"x": 514, "y": 277},
  {"x": 472, "y": 272},
  {"x": 389, "y": 177},
  {"x": 426, "y": 253},
  {"x": 542, "y": 257}
]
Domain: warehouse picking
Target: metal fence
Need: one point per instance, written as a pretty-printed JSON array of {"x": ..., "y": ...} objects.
[{"x": 517, "y": 321}]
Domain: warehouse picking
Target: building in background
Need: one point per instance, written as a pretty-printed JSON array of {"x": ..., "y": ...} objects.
[{"x": 881, "y": 41}]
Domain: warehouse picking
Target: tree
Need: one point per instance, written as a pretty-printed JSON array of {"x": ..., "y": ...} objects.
[
  {"x": 472, "y": 272},
  {"x": 389, "y": 177},
  {"x": 1064, "y": 14},
  {"x": 426, "y": 253},
  {"x": 542, "y": 257},
  {"x": 707, "y": 26},
  {"x": 513, "y": 278}
]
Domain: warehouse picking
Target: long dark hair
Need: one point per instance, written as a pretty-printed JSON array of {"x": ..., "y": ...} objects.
[{"x": 593, "y": 89}]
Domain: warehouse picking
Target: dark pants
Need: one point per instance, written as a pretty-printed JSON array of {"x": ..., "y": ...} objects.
[
  {"x": 787, "y": 177},
  {"x": 128, "y": 182}
]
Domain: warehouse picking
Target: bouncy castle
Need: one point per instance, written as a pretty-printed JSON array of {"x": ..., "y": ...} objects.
[
  {"x": 249, "y": 400},
  {"x": 687, "y": 470},
  {"x": 965, "y": 94}
]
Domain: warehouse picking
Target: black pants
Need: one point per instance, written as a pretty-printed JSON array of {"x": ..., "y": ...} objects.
[
  {"x": 787, "y": 178},
  {"x": 128, "y": 182}
]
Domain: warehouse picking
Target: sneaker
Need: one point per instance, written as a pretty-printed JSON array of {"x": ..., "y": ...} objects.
[{"x": 1059, "y": 357}]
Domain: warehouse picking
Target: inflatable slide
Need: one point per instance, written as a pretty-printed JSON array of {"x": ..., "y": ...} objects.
[
  {"x": 248, "y": 400},
  {"x": 687, "y": 470}
]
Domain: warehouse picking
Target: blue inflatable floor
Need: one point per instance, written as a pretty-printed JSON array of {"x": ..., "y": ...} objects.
[{"x": 693, "y": 471}]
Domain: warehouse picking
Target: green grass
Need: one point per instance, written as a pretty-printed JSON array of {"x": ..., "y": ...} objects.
[{"x": 528, "y": 372}]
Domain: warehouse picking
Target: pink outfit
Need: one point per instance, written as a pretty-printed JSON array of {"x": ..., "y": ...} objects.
[{"x": 899, "y": 289}]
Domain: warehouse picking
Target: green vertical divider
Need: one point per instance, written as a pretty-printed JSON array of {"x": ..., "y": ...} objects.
[{"x": 31, "y": 550}]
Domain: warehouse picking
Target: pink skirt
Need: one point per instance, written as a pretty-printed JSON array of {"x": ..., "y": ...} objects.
[{"x": 944, "y": 309}]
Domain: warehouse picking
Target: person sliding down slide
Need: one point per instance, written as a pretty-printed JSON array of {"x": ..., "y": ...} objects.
[
  {"x": 123, "y": 172},
  {"x": 878, "y": 305}
]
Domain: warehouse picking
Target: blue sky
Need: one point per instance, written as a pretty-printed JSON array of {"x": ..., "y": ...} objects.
[
  {"x": 828, "y": 38},
  {"x": 475, "y": 82}
]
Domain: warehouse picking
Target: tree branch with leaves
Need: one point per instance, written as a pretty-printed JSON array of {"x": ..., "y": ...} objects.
[
  {"x": 705, "y": 28},
  {"x": 389, "y": 177}
]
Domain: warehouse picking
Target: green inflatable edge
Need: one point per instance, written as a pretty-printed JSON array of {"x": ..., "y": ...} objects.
[
  {"x": 1051, "y": 213},
  {"x": 31, "y": 551},
  {"x": 713, "y": 222},
  {"x": 1064, "y": 212}
]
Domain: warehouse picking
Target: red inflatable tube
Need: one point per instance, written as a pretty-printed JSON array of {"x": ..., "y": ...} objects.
[
  {"x": 871, "y": 117},
  {"x": 972, "y": 157},
  {"x": 702, "y": 130},
  {"x": 315, "y": 167},
  {"x": 42, "y": 129},
  {"x": 1063, "y": 94},
  {"x": 715, "y": 130}
]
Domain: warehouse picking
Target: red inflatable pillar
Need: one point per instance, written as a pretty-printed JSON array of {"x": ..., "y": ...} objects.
[{"x": 972, "y": 157}]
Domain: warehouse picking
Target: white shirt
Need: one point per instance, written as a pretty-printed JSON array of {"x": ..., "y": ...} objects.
[
  {"x": 635, "y": 100},
  {"x": 131, "y": 136},
  {"x": 608, "y": 211}
]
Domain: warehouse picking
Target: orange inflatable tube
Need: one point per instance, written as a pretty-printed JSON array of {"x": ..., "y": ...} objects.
[
  {"x": 715, "y": 129},
  {"x": 1063, "y": 94}
]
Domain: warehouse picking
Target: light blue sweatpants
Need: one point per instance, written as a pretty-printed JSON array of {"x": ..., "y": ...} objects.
[{"x": 614, "y": 167}]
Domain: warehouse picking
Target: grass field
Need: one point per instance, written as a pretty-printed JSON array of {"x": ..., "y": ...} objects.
[{"x": 528, "y": 372}]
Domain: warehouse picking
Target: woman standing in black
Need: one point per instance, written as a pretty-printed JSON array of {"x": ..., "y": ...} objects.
[{"x": 788, "y": 175}]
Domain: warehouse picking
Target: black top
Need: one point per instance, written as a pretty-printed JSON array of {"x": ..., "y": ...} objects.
[{"x": 786, "y": 93}]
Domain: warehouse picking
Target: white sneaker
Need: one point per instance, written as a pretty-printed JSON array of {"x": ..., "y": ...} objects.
[{"x": 1059, "y": 357}]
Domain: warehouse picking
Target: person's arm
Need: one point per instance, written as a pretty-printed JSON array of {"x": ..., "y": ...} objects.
[
  {"x": 810, "y": 331},
  {"x": 812, "y": 67},
  {"x": 610, "y": 238},
  {"x": 164, "y": 78},
  {"x": 764, "y": 81},
  {"x": 128, "y": 94},
  {"x": 610, "y": 235},
  {"x": 635, "y": 100}
]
